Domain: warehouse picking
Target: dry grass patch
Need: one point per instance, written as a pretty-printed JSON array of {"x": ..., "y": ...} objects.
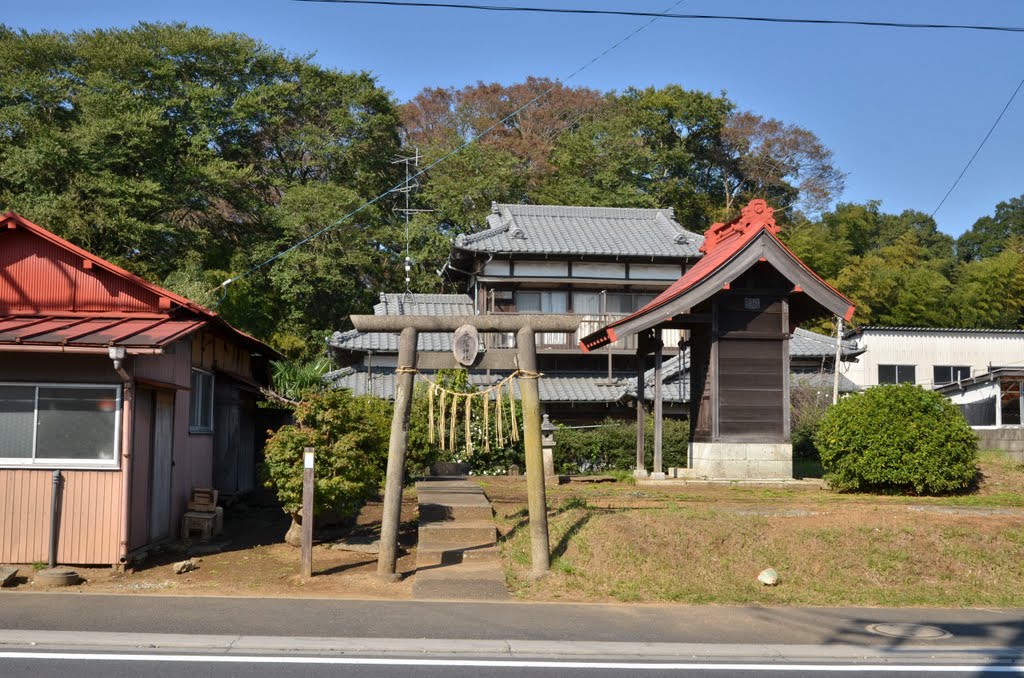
[{"x": 706, "y": 544}]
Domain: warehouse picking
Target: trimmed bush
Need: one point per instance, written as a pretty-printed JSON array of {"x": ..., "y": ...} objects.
[
  {"x": 897, "y": 438},
  {"x": 612, "y": 446}
]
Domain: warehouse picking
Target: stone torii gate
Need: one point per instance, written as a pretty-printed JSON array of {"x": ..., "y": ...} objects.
[{"x": 523, "y": 358}]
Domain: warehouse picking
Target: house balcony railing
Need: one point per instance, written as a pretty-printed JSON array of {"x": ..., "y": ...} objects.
[{"x": 566, "y": 341}]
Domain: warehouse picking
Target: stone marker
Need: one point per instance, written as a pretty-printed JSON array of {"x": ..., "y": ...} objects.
[
  {"x": 768, "y": 577},
  {"x": 513, "y": 470},
  {"x": 7, "y": 575}
]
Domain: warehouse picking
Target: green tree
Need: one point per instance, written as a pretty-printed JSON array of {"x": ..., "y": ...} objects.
[
  {"x": 989, "y": 234},
  {"x": 989, "y": 293}
]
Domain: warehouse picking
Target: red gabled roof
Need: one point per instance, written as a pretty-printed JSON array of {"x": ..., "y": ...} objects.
[
  {"x": 48, "y": 282},
  {"x": 723, "y": 243}
]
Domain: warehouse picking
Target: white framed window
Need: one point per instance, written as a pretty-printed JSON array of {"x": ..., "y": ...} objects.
[
  {"x": 200, "y": 414},
  {"x": 542, "y": 302},
  {"x": 60, "y": 425}
]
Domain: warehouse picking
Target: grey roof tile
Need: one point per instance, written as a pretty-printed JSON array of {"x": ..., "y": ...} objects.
[
  {"x": 807, "y": 344},
  {"x": 608, "y": 231}
]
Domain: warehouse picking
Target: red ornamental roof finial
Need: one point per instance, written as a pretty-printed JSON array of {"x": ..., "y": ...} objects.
[{"x": 757, "y": 214}]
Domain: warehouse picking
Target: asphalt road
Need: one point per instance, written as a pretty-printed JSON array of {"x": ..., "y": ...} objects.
[{"x": 319, "y": 618}]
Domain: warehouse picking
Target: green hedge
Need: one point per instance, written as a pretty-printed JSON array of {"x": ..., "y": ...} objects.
[
  {"x": 897, "y": 439},
  {"x": 612, "y": 446}
]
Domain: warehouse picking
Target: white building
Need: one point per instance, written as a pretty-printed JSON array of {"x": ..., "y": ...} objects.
[{"x": 930, "y": 357}]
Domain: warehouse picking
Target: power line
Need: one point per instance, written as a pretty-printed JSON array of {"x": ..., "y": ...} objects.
[
  {"x": 694, "y": 17},
  {"x": 980, "y": 146},
  {"x": 405, "y": 182}
]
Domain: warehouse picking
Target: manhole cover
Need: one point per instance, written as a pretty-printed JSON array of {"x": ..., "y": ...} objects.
[{"x": 912, "y": 631}]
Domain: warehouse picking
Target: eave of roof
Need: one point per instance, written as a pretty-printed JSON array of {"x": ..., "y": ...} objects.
[{"x": 929, "y": 330}]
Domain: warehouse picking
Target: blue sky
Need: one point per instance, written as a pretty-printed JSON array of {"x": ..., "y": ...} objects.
[{"x": 902, "y": 110}]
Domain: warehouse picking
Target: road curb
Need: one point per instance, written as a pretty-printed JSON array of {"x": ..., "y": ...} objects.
[{"x": 520, "y": 649}]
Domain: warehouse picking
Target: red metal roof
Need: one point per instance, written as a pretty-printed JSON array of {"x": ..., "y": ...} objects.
[
  {"x": 723, "y": 242},
  {"x": 46, "y": 279}
]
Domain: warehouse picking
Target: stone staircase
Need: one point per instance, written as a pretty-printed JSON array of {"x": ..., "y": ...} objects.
[{"x": 457, "y": 557}]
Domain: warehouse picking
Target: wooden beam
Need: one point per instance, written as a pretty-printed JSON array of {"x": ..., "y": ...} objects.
[
  {"x": 450, "y": 323},
  {"x": 641, "y": 353},
  {"x": 658, "y": 469}
]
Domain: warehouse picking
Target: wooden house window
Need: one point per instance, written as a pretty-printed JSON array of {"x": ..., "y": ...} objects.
[
  {"x": 896, "y": 374},
  {"x": 59, "y": 425},
  {"x": 200, "y": 417}
]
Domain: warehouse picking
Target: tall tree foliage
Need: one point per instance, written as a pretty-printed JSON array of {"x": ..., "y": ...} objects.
[{"x": 185, "y": 155}]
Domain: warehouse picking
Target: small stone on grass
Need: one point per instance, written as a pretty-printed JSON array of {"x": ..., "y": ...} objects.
[
  {"x": 768, "y": 577},
  {"x": 185, "y": 566}
]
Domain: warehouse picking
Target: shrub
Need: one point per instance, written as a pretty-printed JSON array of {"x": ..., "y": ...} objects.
[
  {"x": 612, "y": 446},
  {"x": 350, "y": 436},
  {"x": 897, "y": 439}
]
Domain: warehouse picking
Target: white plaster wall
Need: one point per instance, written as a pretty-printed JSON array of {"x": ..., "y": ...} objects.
[
  {"x": 539, "y": 269},
  {"x": 925, "y": 350},
  {"x": 496, "y": 268},
  {"x": 654, "y": 272},
  {"x": 585, "y": 269},
  {"x": 975, "y": 395}
]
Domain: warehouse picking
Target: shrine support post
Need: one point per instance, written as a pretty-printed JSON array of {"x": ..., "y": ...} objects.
[
  {"x": 529, "y": 393},
  {"x": 397, "y": 445}
]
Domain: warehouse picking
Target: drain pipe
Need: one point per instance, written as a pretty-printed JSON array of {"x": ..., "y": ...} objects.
[{"x": 117, "y": 354}]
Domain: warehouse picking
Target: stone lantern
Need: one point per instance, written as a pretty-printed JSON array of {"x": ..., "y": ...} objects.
[{"x": 547, "y": 445}]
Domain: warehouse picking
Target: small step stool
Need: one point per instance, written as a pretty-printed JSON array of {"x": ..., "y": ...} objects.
[{"x": 198, "y": 521}]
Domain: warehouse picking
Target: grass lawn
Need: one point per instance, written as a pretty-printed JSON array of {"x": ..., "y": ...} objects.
[{"x": 706, "y": 544}]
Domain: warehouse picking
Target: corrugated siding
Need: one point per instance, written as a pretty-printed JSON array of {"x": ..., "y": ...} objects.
[
  {"x": 925, "y": 350},
  {"x": 40, "y": 276},
  {"x": 89, "y": 526}
]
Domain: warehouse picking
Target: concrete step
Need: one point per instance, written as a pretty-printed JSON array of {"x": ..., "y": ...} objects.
[
  {"x": 426, "y": 557},
  {"x": 441, "y": 509},
  {"x": 458, "y": 533},
  {"x": 468, "y": 581}
]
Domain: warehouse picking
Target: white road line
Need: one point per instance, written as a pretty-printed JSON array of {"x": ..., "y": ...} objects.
[{"x": 516, "y": 664}]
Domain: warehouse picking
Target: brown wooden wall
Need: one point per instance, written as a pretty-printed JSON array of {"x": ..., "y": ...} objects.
[
  {"x": 751, "y": 366},
  {"x": 89, "y": 525}
]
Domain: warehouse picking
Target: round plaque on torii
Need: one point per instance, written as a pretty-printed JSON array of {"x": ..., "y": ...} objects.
[{"x": 465, "y": 344}]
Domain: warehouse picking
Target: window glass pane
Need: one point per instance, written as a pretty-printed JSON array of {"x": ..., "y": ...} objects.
[
  {"x": 886, "y": 374},
  {"x": 642, "y": 300},
  {"x": 200, "y": 407},
  {"x": 620, "y": 303},
  {"x": 1010, "y": 402},
  {"x": 527, "y": 302},
  {"x": 17, "y": 413},
  {"x": 554, "y": 302},
  {"x": 905, "y": 374},
  {"x": 588, "y": 303},
  {"x": 941, "y": 374},
  {"x": 76, "y": 423}
]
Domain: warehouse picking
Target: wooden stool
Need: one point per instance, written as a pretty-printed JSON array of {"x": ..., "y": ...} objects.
[{"x": 194, "y": 521}]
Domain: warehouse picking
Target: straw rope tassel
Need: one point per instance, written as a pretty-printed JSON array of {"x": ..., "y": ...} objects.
[
  {"x": 512, "y": 407},
  {"x": 501, "y": 418},
  {"x": 440, "y": 424},
  {"x": 469, "y": 434},
  {"x": 487, "y": 422},
  {"x": 430, "y": 425},
  {"x": 455, "y": 413}
]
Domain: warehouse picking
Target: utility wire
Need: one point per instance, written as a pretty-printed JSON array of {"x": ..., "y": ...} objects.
[
  {"x": 712, "y": 17},
  {"x": 456, "y": 150},
  {"x": 980, "y": 146}
]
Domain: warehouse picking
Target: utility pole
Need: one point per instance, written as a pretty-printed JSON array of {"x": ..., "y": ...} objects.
[{"x": 835, "y": 366}]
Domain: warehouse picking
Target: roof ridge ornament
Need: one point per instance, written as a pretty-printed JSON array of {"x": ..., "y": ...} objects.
[{"x": 757, "y": 214}]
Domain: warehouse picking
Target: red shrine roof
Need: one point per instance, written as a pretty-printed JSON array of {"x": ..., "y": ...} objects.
[
  {"x": 729, "y": 249},
  {"x": 55, "y": 295}
]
